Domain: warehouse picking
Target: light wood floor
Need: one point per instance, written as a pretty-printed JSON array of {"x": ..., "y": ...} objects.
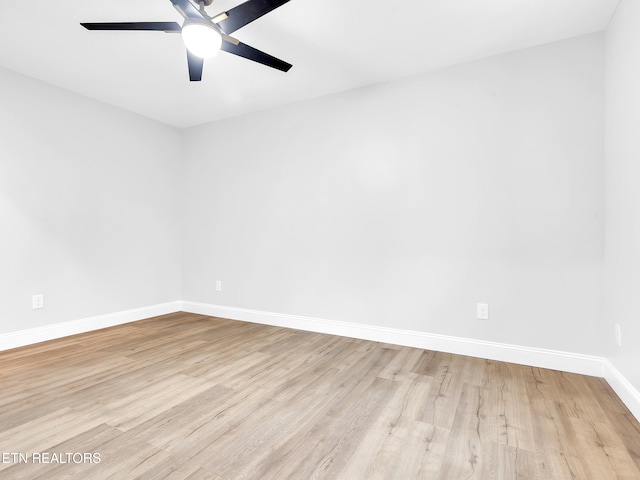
[{"x": 190, "y": 397}]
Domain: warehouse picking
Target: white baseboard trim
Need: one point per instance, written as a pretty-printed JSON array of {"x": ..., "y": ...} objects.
[
  {"x": 537, "y": 357},
  {"x": 625, "y": 390},
  {"x": 65, "y": 329}
]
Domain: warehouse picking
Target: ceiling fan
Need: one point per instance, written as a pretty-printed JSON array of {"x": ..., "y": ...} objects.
[{"x": 204, "y": 35}]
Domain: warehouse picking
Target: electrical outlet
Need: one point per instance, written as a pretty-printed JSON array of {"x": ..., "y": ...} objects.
[
  {"x": 482, "y": 311},
  {"x": 618, "y": 331},
  {"x": 218, "y": 285},
  {"x": 37, "y": 301}
]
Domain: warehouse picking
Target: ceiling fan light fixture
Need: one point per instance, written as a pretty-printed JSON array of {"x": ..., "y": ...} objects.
[{"x": 201, "y": 38}]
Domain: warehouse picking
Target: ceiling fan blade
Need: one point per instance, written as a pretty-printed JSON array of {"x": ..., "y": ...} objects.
[
  {"x": 154, "y": 26},
  {"x": 231, "y": 45},
  {"x": 187, "y": 9},
  {"x": 195, "y": 67},
  {"x": 246, "y": 13}
]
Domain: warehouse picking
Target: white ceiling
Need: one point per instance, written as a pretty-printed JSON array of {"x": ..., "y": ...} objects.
[{"x": 334, "y": 45}]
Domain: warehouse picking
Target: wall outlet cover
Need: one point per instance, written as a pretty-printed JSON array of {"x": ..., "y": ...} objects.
[
  {"x": 618, "y": 330},
  {"x": 482, "y": 311},
  {"x": 37, "y": 301}
]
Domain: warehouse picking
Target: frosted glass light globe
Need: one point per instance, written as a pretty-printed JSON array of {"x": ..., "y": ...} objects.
[{"x": 201, "y": 39}]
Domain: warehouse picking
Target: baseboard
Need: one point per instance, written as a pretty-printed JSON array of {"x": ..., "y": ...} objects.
[
  {"x": 537, "y": 357},
  {"x": 623, "y": 388},
  {"x": 59, "y": 330}
]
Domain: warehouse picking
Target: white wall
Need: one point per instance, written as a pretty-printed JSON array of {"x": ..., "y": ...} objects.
[
  {"x": 404, "y": 204},
  {"x": 89, "y": 207},
  {"x": 401, "y": 204},
  {"x": 622, "y": 175}
]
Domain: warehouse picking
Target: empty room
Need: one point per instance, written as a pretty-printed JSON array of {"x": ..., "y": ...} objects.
[{"x": 303, "y": 240}]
